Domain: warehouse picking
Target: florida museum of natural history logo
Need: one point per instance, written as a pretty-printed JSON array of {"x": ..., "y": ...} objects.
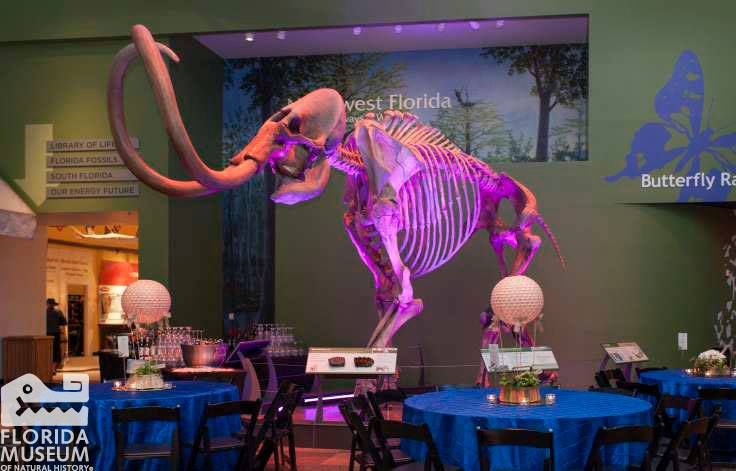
[{"x": 43, "y": 429}]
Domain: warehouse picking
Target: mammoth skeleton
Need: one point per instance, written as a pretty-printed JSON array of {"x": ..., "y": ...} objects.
[{"x": 413, "y": 198}]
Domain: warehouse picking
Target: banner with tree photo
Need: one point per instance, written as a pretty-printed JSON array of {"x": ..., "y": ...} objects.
[{"x": 503, "y": 104}]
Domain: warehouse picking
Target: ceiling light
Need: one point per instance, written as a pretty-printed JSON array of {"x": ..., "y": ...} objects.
[
  {"x": 441, "y": 27},
  {"x": 357, "y": 30},
  {"x": 250, "y": 37},
  {"x": 281, "y": 35},
  {"x": 474, "y": 25},
  {"x": 500, "y": 23},
  {"x": 397, "y": 29}
]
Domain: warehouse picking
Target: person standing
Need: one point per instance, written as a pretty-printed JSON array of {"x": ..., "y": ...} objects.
[{"x": 54, "y": 320}]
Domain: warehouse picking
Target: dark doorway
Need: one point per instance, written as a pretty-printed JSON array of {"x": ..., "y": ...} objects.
[{"x": 75, "y": 306}]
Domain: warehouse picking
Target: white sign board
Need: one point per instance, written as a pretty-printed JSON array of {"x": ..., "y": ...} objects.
[
  {"x": 509, "y": 359},
  {"x": 106, "y": 174},
  {"x": 89, "y": 160},
  {"x": 93, "y": 190},
  {"x": 351, "y": 361},
  {"x": 625, "y": 352},
  {"x": 82, "y": 145}
]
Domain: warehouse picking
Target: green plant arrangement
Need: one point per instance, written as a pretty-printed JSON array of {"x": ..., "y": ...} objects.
[
  {"x": 520, "y": 379},
  {"x": 146, "y": 376},
  {"x": 147, "y": 368},
  {"x": 520, "y": 387}
]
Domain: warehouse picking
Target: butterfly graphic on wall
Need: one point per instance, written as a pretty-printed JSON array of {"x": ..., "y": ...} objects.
[{"x": 679, "y": 142}]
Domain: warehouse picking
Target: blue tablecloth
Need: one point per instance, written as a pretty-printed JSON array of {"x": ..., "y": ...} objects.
[
  {"x": 452, "y": 417},
  {"x": 190, "y": 396},
  {"x": 677, "y": 382}
]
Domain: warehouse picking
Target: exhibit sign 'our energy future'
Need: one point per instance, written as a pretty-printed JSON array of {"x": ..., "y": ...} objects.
[{"x": 682, "y": 155}]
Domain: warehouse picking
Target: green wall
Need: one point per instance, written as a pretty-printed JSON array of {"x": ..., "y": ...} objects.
[
  {"x": 63, "y": 83},
  {"x": 195, "y": 242}
]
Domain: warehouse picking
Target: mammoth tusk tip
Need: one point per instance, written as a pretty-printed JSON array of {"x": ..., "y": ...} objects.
[{"x": 139, "y": 28}]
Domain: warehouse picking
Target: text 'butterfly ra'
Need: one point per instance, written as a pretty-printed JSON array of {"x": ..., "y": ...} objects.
[{"x": 680, "y": 143}]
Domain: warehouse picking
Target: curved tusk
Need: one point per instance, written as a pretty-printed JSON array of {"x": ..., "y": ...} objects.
[
  {"x": 163, "y": 89},
  {"x": 125, "y": 147}
]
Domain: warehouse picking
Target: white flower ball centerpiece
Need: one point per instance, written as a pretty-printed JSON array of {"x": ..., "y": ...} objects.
[
  {"x": 711, "y": 363},
  {"x": 518, "y": 300},
  {"x": 146, "y": 302}
]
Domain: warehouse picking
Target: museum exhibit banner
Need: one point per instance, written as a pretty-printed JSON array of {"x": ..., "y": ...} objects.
[{"x": 685, "y": 151}]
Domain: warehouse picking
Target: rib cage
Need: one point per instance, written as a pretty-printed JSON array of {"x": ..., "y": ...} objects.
[{"x": 440, "y": 206}]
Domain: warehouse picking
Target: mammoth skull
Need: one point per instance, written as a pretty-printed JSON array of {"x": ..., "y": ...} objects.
[{"x": 294, "y": 142}]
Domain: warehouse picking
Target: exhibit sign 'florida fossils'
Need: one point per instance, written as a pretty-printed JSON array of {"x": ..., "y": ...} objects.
[{"x": 413, "y": 198}]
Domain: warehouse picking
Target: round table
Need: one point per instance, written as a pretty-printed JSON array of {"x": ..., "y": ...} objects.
[
  {"x": 679, "y": 383},
  {"x": 191, "y": 397},
  {"x": 452, "y": 417}
]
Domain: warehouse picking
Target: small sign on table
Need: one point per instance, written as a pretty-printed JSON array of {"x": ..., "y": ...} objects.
[
  {"x": 514, "y": 359},
  {"x": 623, "y": 354},
  {"x": 348, "y": 363}
]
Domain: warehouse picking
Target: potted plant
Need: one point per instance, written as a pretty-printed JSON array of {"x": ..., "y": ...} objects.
[
  {"x": 146, "y": 376},
  {"x": 711, "y": 363},
  {"x": 519, "y": 387}
]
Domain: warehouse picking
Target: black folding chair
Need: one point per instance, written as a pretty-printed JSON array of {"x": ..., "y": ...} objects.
[
  {"x": 277, "y": 426},
  {"x": 603, "y": 378},
  {"x": 697, "y": 432},
  {"x": 719, "y": 396},
  {"x": 125, "y": 451},
  {"x": 621, "y": 392},
  {"x": 283, "y": 428},
  {"x": 615, "y": 436},
  {"x": 387, "y": 396},
  {"x": 515, "y": 437},
  {"x": 666, "y": 424},
  {"x": 397, "y": 430},
  {"x": 244, "y": 441},
  {"x": 639, "y": 371},
  {"x": 641, "y": 389},
  {"x": 369, "y": 455}
]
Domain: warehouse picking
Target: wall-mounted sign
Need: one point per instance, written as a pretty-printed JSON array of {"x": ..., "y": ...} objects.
[
  {"x": 80, "y": 145},
  {"x": 88, "y": 168},
  {"x": 76, "y": 160},
  {"x": 93, "y": 190},
  {"x": 73, "y": 175}
]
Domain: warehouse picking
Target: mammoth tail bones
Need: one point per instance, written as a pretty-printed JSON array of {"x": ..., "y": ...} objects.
[{"x": 412, "y": 197}]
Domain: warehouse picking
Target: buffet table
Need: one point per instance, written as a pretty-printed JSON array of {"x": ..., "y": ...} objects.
[
  {"x": 452, "y": 417},
  {"x": 191, "y": 397}
]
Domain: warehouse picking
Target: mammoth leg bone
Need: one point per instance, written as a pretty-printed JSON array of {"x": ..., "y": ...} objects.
[
  {"x": 519, "y": 236},
  {"x": 386, "y": 219}
]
